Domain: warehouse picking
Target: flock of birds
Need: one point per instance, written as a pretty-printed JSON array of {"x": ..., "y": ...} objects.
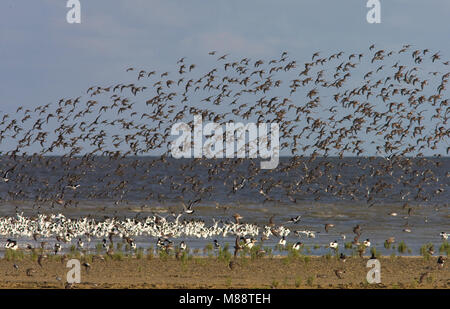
[
  {"x": 67, "y": 231},
  {"x": 389, "y": 102}
]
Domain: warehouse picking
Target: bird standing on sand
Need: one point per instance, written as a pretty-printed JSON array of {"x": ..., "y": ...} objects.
[
  {"x": 87, "y": 266},
  {"x": 30, "y": 272},
  {"x": 232, "y": 265},
  {"x": 41, "y": 257},
  {"x": 339, "y": 273},
  {"x": 441, "y": 261}
]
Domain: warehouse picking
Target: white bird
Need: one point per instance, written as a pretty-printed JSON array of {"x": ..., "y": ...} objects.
[
  {"x": 334, "y": 245},
  {"x": 80, "y": 243},
  {"x": 250, "y": 243},
  {"x": 282, "y": 241},
  {"x": 57, "y": 248},
  {"x": 297, "y": 246},
  {"x": 11, "y": 244}
]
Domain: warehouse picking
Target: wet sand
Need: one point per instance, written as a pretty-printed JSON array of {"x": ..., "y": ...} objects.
[{"x": 210, "y": 272}]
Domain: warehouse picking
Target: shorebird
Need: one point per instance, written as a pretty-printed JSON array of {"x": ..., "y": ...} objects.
[
  {"x": 104, "y": 244},
  {"x": 328, "y": 226},
  {"x": 11, "y": 244},
  {"x": 334, "y": 245},
  {"x": 183, "y": 246},
  {"x": 282, "y": 241},
  {"x": 73, "y": 187},
  {"x": 80, "y": 243},
  {"x": 5, "y": 178},
  {"x": 57, "y": 248},
  {"x": 87, "y": 266},
  {"x": 342, "y": 257},
  {"x": 41, "y": 257},
  {"x": 366, "y": 243},
  {"x": 237, "y": 217},
  {"x": 250, "y": 242},
  {"x": 440, "y": 261},
  {"x": 132, "y": 244},
  {"x": 295, "y": 220},
  {"x": 30, "y": 272},
  {"x": 339, "y": 273},
  {"x": 297, "y": 246},
  {"x": 216, "y": 244},
  {"x": 188, "y": 208},
  {"x": 237, "y": 246},
  {"x": 232, "y": 265},
  {"x": 389, "y": 241}
]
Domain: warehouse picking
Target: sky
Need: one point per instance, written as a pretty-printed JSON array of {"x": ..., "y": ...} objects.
[{"x": 44, "y": 58}]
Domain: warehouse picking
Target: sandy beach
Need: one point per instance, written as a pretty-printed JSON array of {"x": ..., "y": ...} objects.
[{"x": 212, "y": 272}]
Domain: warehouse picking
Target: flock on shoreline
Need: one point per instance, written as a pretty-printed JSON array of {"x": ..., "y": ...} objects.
[{"x": 68, "y": 231}]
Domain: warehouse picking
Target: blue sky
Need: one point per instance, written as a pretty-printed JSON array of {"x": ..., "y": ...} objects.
[{"x": 43, "y": 58}]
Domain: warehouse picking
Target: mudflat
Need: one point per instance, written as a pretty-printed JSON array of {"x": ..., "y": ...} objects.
[{"x": 212, "y": 272}]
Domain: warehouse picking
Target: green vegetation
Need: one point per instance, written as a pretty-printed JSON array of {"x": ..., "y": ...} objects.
[
  {"x": 310, "y": 281},
  {"x": 223, "y": 254},
  {"x": 139, "y": 253},
  {"x": 402, "y": 248},
  {"x": 274, "y": 284},
  {"x": 444, "y": 248},
  {"x": 298, "y": 282},
  {"x": 14, "y": 255},
  {"x": 425, "y": 250},
  {"x": 387, "y": 244},
  {"x": 373, "y": 251}
]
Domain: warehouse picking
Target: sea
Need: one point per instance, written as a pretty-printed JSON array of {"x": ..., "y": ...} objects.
[{"x": 407, "y": 200}]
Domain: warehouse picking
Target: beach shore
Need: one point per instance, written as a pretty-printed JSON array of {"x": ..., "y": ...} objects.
[{"x": 211, "y": 272}]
